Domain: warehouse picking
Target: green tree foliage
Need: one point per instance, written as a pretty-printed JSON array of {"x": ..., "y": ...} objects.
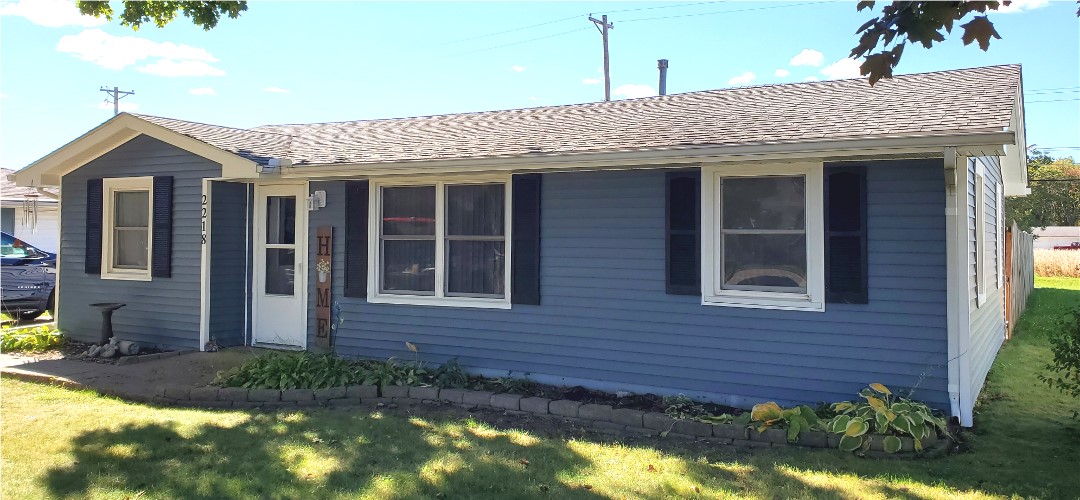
[
  {"x": 135, "y": 13},
  {"x": 918, "y": 23},
  {"x": 1055, "y": 194}
]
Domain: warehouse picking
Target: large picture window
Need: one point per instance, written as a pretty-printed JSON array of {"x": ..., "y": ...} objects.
[
  {"x": 441, "y": 243},
  {"x": 128, "y": 232},
  {"x": 764, "y": 246}
]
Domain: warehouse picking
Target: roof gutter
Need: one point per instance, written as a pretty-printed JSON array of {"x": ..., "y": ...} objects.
[{"x": 918, "y": 146}]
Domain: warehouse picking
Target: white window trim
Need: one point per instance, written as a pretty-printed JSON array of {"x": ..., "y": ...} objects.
[
  {"x": 439, "y": 299},
  {"x": 109, "y": 187},
  {"x": 980, "y": 234},
  {"x": 711, "y": 292},
  {"x": 1000, "y": 201}
]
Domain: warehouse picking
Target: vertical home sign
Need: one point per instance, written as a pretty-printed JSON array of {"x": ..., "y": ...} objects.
[{"x": 324, "y": 238}]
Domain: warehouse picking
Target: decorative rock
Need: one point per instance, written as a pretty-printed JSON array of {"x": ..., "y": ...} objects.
[
  {"x": 264, "y": 395},
  {"x": 297, "y": 395},
  {"x": 395, "y": 391},
  {"x": 658, "y": 421},
  {"x": 109, "y": 352},
  {"x": 506, "y": 401},
  {"x": 232, "y": 394},
  {"x": 626, "y": 416},
  {"x": 361, "y": 391},
  {"x": 330, "y": 393},
  {"x": 600, "y": 413},
  {"x": 452, "y": 395},
  {"x": 565, "y": 408},
  {"x": 204, "y": 394},
  {"x": 94, "y": 351},
  {"x": 476, "y": 398},
  {"x": 535, "y": 405},
  {"x": 424, "y": 392},
  {"x": 693, "y": 428}
]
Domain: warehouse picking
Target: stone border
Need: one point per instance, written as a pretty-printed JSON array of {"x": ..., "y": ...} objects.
[
  {"x": 604, "y": 418},
  {"x": 143, "y": 358}
]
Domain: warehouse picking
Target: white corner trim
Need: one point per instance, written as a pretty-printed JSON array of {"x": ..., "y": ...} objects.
[
  {"x": 109, "y": 187},
  {"x": 712, "y": 293},
  {"x": 204, "y": 265},
  {"x": 958, "y": 299},
  {"x": 439, "y": 298}
]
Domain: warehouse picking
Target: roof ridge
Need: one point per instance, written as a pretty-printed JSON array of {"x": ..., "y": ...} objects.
[{"x": 143, "y": 117}]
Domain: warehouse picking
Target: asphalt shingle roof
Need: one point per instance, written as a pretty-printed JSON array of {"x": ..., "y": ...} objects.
[{"x": 954, "y": 102}]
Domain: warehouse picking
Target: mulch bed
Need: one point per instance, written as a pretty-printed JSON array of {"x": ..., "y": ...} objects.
[{"x": 643, "y": 402}]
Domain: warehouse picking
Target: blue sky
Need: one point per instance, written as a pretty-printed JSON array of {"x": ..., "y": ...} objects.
[{"x": 292, "y": 62}]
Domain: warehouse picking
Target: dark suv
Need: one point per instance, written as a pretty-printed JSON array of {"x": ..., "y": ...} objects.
[{"x": 28, "y": 279}]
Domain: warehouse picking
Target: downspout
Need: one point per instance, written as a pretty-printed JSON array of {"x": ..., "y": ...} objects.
[{"x": 956, "y": 280}]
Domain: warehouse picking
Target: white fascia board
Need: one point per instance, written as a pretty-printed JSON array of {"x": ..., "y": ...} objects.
[
  {"x": 864, "y": 148},
  {"x": 113, "y": 133},
  {"x": 1014, "y": 162}
]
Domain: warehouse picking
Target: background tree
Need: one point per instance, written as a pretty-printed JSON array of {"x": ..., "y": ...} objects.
[
  {"x": 918, "y": 22},
  {"x": 135, "y": 13},
  {"x": 1055, "y": 194}
]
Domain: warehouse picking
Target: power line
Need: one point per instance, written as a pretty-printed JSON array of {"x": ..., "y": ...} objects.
[
  {"x": 1055, "y": 100},
  {"x": 511, "y": 30},
  {"x": 1054, "y": 88},
  {"x": 1044, "y": 92},
  {"x": 662, "y": 7},
  {"x": 723, "y": 12},
  {"x": 517, "y": 43}
]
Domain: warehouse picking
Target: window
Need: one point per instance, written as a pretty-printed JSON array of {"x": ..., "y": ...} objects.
[
  {"x": 127, "y": 230},
  {"x": 763, "y": 237},
  {"x": 980, "y": 234},
  {"x": 441, "y": 243}
]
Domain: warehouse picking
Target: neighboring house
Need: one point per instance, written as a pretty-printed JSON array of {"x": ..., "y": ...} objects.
[
  {"x": 780, "y": 242},
  {"x": 1056, "y": 236},
  {"x": 15, "y": 220}
]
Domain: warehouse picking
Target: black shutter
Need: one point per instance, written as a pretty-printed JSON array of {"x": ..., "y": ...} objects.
[
  {"x": 682, "y": 232},
  {"x": 93, "y": 226},
  {"x": 356, "y": 238},
  {"x": 845, "y": 235},
  {"x": 161, "y": 260},
  {"x": 525, "y": 271}
]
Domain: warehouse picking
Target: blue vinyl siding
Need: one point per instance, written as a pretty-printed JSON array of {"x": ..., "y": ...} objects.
[
  {"x": 164, "y": 311},
  {"x": 229, "y": 255},
  {"x": 606, "y": 322}
]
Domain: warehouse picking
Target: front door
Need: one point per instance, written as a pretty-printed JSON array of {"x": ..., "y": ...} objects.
[{"x": 279, "y": 312}]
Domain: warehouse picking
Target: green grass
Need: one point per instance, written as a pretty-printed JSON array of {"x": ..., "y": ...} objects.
[{"x": 61, "y": 443}]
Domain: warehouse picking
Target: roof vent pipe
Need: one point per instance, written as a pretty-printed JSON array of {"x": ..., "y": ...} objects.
[{"x": 661, "y": 64}]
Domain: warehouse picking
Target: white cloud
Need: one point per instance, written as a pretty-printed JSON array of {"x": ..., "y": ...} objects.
[
  {"x": 633, "y": 90},
  {"x": 844, "y": 68},
  {"x": 119, "y": 52},
  {"x": 124, "y": 106},
  {"x": 532, "y": 98},
  {"x": 808, "y": 57},
  {"x": 782, "y": 73},
  {"x": 811, "y": 79},
  {"x": 50, "y": 13},
  {"x": 591, "y": 81},
  {"x": 1022, "y": 5},
  {"x": 518, "y": 69},
  {"x": 203, "y": 91},
  {"x": 171, "y": 68},
  {"x": 743, "y": 79},
  {"x": 276, "y": 90}
]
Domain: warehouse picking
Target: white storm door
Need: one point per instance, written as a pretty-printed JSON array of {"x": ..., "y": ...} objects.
[{"x": 279, "y": 309}]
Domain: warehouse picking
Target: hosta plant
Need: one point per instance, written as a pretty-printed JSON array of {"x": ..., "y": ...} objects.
[
  {"x": 884, "y": 414},
  {"x": 796, "y": 420}
]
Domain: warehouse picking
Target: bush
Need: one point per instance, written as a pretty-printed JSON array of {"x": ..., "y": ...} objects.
[
  {"x": 1065, "y": 368},
  {"x": 299, "y": 370},
  {"x": 36, "y": 339},
  {"x": 1062, "y": 263},
  {"x": 884, "y": 414}
]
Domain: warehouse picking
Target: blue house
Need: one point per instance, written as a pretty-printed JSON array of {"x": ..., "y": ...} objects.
[{"x": 780, "y": 242}]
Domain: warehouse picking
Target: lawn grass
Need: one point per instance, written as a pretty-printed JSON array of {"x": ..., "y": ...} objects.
[{"x": 62, "y": 443}]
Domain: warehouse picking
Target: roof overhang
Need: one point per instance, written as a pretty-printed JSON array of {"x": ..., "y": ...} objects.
[
  {"x": 924, "y": 146},
  {"x": 1014, "y": 172},
  {"x": 113, "y": 133}
]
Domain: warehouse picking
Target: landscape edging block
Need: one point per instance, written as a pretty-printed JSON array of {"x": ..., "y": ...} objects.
[
  {"x": 395, "y": 391},
  {"x": 535, "y": 405},
  {"x": 599, "y": 413},
  {"x": 477, "y": 398},
  {"x": 506, "y": 401},
  {"x": 564, "y": 408}
]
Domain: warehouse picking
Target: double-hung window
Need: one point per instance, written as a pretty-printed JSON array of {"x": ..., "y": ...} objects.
[
  {"x": 441, "y": 243},
  {"x": 127, "y": 230},
  {"x": 763, "y": 243}
]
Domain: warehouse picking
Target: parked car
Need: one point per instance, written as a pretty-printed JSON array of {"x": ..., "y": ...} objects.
[{"x": 28, "y": 279}]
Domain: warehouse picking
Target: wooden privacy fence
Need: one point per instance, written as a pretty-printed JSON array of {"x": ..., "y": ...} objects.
[{"x": 1019, "y": 273}]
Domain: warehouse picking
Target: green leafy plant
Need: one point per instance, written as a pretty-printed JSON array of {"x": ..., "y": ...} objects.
[
  {"x": 796, "y": 420},
  {"x": 36, "y": 339},
  {"x": 392, "y": 372},
  {"x": 1065, "y": 367},
  {"x": 300, "y": 370},
  {"x": 449, "y": 375},
  {"x": 885, "y": 414},
  {"x": 683, "y": 408}
]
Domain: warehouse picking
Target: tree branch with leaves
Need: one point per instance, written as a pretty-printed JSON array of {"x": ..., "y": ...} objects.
[{"x": 203, "y": 14}]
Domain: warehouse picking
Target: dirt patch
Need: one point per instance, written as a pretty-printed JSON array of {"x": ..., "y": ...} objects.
[{"x": 643, "y": 402}]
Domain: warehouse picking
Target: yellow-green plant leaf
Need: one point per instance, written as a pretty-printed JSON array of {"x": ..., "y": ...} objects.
[
  {"x": 890, "y": 415},
  {"x": 765, "y": 411},
  {"x": 793, "y": 430},
  {"x": 839, "y": 424},
  {"x": 881, "y": 388},
  {"x": 851, "y": 443},
  {"x": 891, "y": 444},
  {"x": 857, "y": 427},
  {"x": 877, "y": 404},
  {"x": 841, "y": 406},
  {"x": 918, "y": 444}
]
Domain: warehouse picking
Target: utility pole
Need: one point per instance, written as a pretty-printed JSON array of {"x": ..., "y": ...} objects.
[
  {"x": 115, "y": 94},
  {"x": 603, "y": 25}
]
